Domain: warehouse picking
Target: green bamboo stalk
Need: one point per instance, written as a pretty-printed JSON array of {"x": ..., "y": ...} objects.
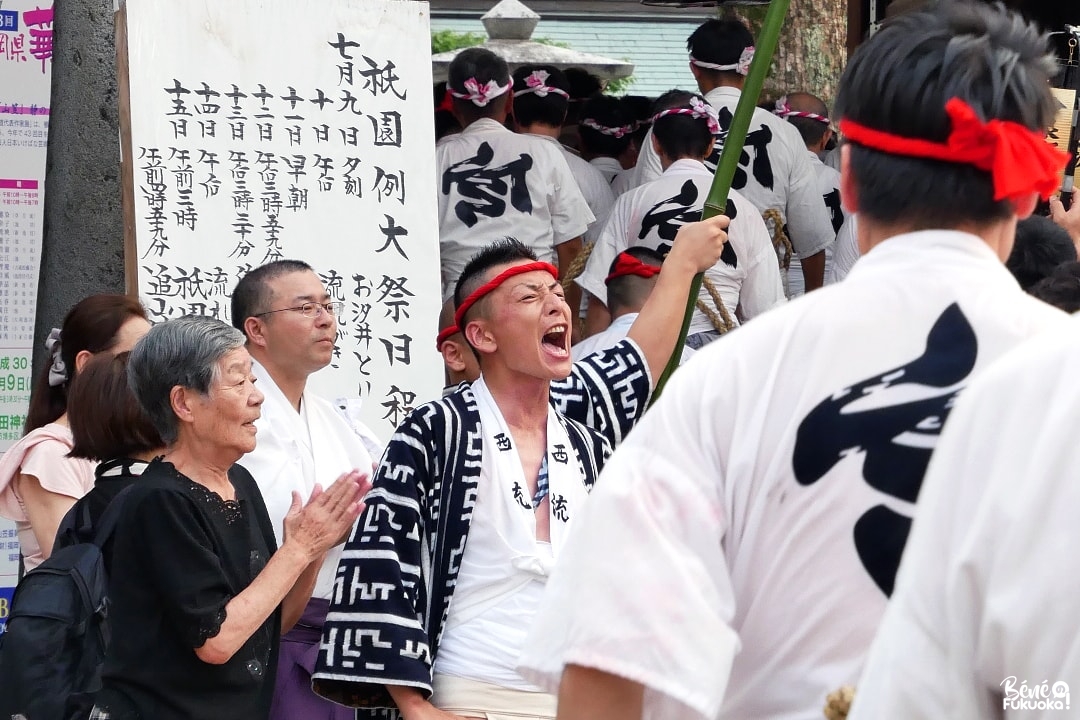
[{"x": 716, "y": 203}]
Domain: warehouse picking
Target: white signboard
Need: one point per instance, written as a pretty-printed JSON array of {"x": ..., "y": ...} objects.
[
  {"x": 295, "y": 129},
  {"x": 26, "y": 39}
]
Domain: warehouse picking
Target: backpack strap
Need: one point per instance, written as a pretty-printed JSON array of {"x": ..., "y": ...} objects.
[{"x": 110, "y": 518}]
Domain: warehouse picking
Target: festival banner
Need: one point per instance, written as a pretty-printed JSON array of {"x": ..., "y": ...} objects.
[{"x": 257, "y": 130}]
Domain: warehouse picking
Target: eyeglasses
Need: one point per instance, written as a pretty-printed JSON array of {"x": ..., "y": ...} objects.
[{"x": 310, "y": 309}]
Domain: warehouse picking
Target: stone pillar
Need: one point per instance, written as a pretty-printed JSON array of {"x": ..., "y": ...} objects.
[{"x": 83, "y": 249}]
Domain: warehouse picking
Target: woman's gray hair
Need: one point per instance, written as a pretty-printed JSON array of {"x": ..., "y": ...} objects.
[{"x": 182, "y": 352}]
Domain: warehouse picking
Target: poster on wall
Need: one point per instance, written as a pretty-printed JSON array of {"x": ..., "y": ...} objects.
[
  {"x": 26, "y": 41},
  {"x": 260, "y": 130}
]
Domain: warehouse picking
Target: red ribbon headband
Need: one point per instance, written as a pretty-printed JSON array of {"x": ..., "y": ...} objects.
[
  {"x": 1018, "y": 159},
  {"x": 445, "y": 334},
  {"x": 627, "y": 264},
  {"x": 476, "y": 295}
]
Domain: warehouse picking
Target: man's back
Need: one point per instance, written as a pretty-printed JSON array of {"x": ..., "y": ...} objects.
[
  {"x": 824, "y": 464},
  {"x": 805, "y": 465},
  {"x": 493, "y": 184},
  {"x": 774, "y": 172},
  {"x": 746, "y": 275}
]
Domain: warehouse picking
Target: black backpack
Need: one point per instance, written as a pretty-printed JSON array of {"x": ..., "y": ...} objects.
[{"x": 57, "y": 632}]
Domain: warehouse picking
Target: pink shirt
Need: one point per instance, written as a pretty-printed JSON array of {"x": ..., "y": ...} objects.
[{"x": 43, "y": 454}]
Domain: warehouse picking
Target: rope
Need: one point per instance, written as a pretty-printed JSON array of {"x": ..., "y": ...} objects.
[
  {"x": 838, "y": 703},
  {"x": 774, "y": 220},
  {"x": 720, "y": 318},
  {"x": 577, "y": 265}
]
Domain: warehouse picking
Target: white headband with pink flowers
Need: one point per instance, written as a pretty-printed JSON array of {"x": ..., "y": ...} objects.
[
  {"x": 536, "y": 83},
  {"x": 699, "y": 110},
  {"x": 742, "y": 66},
  {"x": 480, "y": 95}
]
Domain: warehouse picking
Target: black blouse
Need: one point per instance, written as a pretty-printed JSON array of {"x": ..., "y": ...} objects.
[{"x": 180, "y": 554}]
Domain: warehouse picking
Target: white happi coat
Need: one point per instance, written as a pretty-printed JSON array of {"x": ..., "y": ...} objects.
[
  {"x": 494, "y": 183},
  {"x": 746, "y": 276},
  {"x": 845, "y": 252},
  {"x": 829, "y": 187},
  {"x": 296, "y": 450},
  {"x": 773, "y": 172},
  {"x": 594, "y": 187},
  {"x": 985, "y": 601},
  {"x": 611, "y": 336},
  {"x": 609, "y": 167},
  {"x": 739, "y": 549}
]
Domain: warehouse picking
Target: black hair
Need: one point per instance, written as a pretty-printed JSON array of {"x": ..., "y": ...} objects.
[
  {"x": 640, "y": 109},
  {"x": 720, "y": 42},
  {"x": 530, "y": 108},
  {"x": 252, "y": 294},
  {"x": 681, "y": 136},
  {"x": 630, "y": 291},
  {"x": 1061, "y": 288},
  {"x": 500, "y": 252},
  {"x": 1040, "y": 246},
  {"x": 608, "y": 112},
  {"x": 899, "y": 82},
  {"x": 484, "y": 66}
]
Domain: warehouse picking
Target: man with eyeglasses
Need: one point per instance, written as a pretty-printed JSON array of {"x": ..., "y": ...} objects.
[{"x": 291, "y": 326}]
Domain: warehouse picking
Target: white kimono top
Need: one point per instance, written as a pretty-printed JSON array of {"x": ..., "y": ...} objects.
[
  {"x": 829, "y": 187},
  {"x": 609, "y": 167},
  {"x": 738, "y": 551},
  {"x": 746, "y": 276},
  {"x": 846, "y": 251},
  {"x": 773, "y": 172},
  {"x": 594, "y": 187},
  {"x": 494, "y": 183},
  {"x": 983, "y": 620},
  {"x": 611, "y": 336},
  {"x": 296, "y": 450}
]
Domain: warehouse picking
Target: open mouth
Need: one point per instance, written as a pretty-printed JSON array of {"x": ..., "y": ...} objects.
[{"x": 554, "y": 340}]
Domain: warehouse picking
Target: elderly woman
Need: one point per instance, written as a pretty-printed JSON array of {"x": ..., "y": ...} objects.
[{"x": 199, "y": 592}]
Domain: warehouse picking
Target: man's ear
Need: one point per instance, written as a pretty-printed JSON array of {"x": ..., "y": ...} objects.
[
  {"x": 478, "y": 335},
  {"x": 825, "y": 139},
  {"x": 712, "y": 144},
  {"x": 253, "y": 328},
  {"x": 451, "y": 352},
  {"x": 848, "y": 196}
]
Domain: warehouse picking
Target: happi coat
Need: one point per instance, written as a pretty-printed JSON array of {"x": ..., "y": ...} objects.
[
  {"x": 746, "y": 276},
  {"x": 740, "y": 561},
  {"x": 397, "y": 575},
  {"x": 494, "y": 183},
  {"x": 982, "y": 621},
  {"x": 774, "y": 172}
]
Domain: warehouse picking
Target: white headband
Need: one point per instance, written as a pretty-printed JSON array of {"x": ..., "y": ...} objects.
[
  {"x": 742, "y": 66},
  {"x": 481, "y": 95},
  {"x": 536, "y": 83}
]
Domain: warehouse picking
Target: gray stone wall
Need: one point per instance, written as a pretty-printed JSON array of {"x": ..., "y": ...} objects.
[{"x": 83, "y": 249}]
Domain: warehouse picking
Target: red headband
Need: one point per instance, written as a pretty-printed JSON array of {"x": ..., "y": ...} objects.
[
  {"x": 1018, "y": 159},
  {"x": 476, "y": 295},
  {"x": 445, "y": 334},
  {"x": 626, "y": 264}
]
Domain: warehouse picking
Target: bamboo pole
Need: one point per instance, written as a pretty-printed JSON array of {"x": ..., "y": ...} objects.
[{"x": 716, "y": 203}]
